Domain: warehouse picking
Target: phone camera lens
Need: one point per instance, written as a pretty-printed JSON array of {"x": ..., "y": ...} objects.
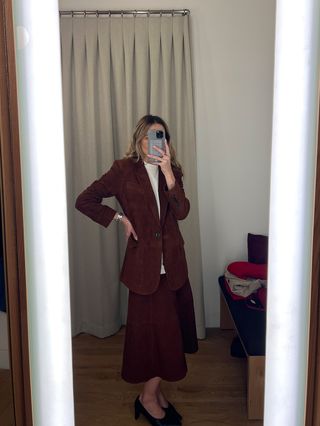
[{"x": 159, "y": 134}]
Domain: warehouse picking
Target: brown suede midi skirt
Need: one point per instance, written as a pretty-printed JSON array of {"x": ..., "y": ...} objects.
[{"x": 160, "y": 329}]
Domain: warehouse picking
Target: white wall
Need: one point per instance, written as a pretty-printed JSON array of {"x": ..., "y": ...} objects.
[{"x": 233, "y": 48}]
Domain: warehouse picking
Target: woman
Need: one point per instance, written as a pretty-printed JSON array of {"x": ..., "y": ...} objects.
[{"x": 160, "y": 325}]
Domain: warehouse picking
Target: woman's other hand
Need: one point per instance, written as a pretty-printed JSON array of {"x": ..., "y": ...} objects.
[{"x": 128, "y": 228}]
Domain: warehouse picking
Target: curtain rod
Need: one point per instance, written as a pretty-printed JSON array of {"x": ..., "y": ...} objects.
[{"x": 172, "y": 12}]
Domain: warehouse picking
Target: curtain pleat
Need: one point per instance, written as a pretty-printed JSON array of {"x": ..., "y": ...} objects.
[
  {"x": 155, "y": 65},
  {"x": 166, "y": 54},
  {"x": 106, "y": 151},
  {"x": 117, "y": 74},
  {"x": 179, "y": 82},
  {"x": 114, "y": 71},
  {"x": 129, "y": 42},
  {"x": 141, "y": 98}
]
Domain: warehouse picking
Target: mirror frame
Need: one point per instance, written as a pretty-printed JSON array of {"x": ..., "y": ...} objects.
[
  {"x": 12, "y": 220},
  {"x": 313, "y": 390}
]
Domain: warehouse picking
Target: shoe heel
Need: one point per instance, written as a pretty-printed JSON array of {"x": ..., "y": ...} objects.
[
  {"x": 136, "y": 410},
  {"x": 136, "y": 414}
]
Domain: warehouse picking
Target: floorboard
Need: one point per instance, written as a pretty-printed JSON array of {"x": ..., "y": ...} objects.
[{"x": 212, "y": 393}]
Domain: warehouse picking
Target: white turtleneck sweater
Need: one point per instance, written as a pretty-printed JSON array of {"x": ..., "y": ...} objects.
[{"x": 153, "y": 172}]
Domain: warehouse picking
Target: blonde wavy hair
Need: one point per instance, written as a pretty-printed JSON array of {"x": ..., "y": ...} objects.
[{"x": 134, "y": 150}]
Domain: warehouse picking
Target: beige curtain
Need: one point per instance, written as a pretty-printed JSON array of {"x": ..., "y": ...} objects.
[{"x": 115, "y": 70}]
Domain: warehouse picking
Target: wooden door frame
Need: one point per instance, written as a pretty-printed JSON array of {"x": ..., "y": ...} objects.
[{"x": 12, "y": 221}]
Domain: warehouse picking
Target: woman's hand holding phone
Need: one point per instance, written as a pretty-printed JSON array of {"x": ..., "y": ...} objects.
[{"x": 164, "y": 162}]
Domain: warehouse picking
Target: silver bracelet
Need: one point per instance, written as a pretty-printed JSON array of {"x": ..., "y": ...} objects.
[{"x": 119, "y": 217}]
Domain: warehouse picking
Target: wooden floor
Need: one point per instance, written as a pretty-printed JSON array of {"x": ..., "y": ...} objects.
[
  {"x": 6, "y": 404},
  {"x": 213, "y": 392}
]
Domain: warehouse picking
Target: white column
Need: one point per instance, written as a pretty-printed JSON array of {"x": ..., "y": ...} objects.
[
  {"x": 291, "y": 209},
  {"x": 44, "y": 210}
]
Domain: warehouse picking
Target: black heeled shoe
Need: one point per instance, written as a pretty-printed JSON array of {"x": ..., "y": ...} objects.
[
  {"x": 164, "y": 421},
  {"x": 172, "y": 412}
]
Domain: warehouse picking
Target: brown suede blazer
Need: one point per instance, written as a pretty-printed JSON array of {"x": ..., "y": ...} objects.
[{"x": 129, "y": 182}]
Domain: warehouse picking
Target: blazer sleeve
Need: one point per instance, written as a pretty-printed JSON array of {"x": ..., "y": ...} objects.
[
  {"x": 89, "y": 201},
  {"x": 178, "y": 202}
]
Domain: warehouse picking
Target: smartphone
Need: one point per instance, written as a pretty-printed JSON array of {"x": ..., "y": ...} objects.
[{"x": 157, "y": 138}]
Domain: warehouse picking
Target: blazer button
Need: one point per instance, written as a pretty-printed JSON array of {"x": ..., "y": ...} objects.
[{"x": 157, "y": 234}]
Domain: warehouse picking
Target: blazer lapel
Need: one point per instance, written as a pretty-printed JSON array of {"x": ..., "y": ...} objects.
[
  {"x": 162, "y": 198},
  {"x": 143, "y": 178}
]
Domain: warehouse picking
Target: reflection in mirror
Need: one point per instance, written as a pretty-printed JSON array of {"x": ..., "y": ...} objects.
[
  {"x": 106, "y": 89},
  {"x": 6, "y": 397}
]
